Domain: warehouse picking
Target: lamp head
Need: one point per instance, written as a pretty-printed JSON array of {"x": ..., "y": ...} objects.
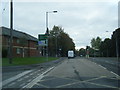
[{"x": 55, "y": 11}]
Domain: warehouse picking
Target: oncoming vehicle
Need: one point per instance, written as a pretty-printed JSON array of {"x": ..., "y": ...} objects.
[{"x": 70, "y": 54}]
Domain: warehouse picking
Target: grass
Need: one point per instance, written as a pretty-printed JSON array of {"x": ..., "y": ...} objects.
[{"x": 26, "y": 61}]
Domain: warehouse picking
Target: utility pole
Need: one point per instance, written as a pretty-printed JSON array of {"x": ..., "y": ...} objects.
[{"x": 11, "y": 30}]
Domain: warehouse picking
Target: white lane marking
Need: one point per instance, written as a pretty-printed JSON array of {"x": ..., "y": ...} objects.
[
  {"x": 34, "y": 72},
  {"x": 114, "y": 74},
  {"x": 20, "y": 79},
  {"x": 110, "y": 71},
  {"x": 22, "y": 84},
  {"x": 102, "y": 67},
  {"x": 42, "y": 85},
  {"x": 102, "y": 85},
  {"x": 15, "y": 77},
  {"x": 33, "y": 82},
  {"x": 26, "y": 76},
  {"x": 11, "y": 84},
  {"x": 76, "y": 82},
  {"x": 31, "y": 74},
  {"x": 29, "y": 80}
]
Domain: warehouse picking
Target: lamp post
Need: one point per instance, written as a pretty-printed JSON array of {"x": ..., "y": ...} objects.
[
  {"x": 11, "y": 31},
  {"x": 47, "y": 29},
  {"x": 56, "y": 44}
]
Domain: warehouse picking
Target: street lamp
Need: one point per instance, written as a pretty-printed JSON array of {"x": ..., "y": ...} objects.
[
  {"x": 47, "y": 29},
  {"x": 11, "y": 33}
]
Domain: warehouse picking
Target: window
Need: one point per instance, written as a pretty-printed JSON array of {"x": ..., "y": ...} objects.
[
  {"x": 8, "y": 40},
  {"x": 18, "y": 41},
  {"x": 18, "y": 51}
]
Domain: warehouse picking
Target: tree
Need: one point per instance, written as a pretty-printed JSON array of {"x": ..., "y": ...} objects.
[
  {"x": 95, "y": 43},
  {"x": 82, "y": 52},
  {"x": 105, "y": 47},
  {"x": 59, "y": 42}
]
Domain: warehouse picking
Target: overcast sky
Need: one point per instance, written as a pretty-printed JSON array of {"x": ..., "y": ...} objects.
[{"x": 81, "y": 20}]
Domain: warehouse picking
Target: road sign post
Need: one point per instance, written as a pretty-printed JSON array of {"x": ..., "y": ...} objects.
[{"x": 43, "y": 41}]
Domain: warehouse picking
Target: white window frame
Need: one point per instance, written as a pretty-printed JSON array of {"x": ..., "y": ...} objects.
[
  {"x": 18, "y": 50},
  {"x": 18, "y": 41}
]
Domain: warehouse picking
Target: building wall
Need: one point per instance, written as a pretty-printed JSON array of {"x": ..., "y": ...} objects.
[
  {"x": 33, "y": 51},
  {"x": 30, "y": 47}
]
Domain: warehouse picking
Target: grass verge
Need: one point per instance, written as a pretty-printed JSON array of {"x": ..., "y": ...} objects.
[{"x": 26, "y": 61}]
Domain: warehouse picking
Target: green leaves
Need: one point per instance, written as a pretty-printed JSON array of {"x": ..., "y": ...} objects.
[
  {"x": 60, "y": 42},
  {"x": 96, "y": 42}
]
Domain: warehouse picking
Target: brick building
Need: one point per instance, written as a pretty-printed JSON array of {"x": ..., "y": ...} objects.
[{"x": 24, "y": 45}]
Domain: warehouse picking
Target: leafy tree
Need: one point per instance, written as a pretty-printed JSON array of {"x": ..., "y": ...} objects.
[
  {"x": 105, "y": 47},
  {"x": 82, "y": 52},
  {"x": 59, "y": 42},
  {"x": 95, "y": 43}
]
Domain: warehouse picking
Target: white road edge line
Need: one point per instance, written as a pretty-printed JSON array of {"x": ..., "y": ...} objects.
[
  {"x": 14, "y": 78},
  {"x": 110, "y": 71},
  {"x": 106, "y": 69},
  {"x": 29, "y": 85},
  {"x": 102, "y": 66},
  {"x": 115, "y": 74}
]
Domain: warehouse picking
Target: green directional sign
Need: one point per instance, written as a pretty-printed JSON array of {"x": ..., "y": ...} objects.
[{"x": 42, "y": 37}]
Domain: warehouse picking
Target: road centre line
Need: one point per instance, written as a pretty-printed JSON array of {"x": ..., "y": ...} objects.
[
  {"x": 15, "y": 77},
  {"x": 30, "y": 85}
]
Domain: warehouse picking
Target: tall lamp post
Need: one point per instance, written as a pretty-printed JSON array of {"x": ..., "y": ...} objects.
[
  {"x": 11, "y": 31},
  {"x": 47, "y": 29}
]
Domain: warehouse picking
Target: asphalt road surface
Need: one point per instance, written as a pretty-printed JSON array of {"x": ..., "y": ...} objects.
[
  {"x": 112, "y": 64},
  {"x": 71, "y": 73}
]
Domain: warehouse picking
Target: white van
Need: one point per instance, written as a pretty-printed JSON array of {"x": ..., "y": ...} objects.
[{"x": 70, "y": 54}]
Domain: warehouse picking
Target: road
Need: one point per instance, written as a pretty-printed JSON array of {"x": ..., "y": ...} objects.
[
  {"x": 111, "y": 64},
  {"x": 71, "y": 73}
]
